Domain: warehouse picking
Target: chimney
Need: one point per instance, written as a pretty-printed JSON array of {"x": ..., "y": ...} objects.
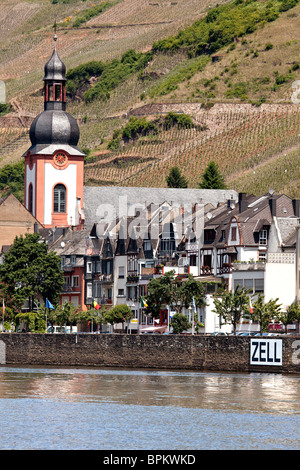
[
  {"x": 296, "y": 207},
  {"x": 243, "y": 205},
  {"x": 272, "y": 204},
  {"x": 231, "y": 203}
]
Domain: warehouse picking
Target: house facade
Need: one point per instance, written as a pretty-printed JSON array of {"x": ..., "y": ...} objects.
[{"x": 113, "y": 240}]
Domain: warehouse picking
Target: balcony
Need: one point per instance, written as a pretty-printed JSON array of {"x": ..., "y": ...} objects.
[
  {"x": 133, "y": 279},
  {"x": 105, "y": 277},
  {"x": 105, "y": 301},
  {"x": 70, "y": 289},
  {"x": 248, "y": 266},
  {"x": 225, "y": 269},
  {"x": 206, "y": 271}
]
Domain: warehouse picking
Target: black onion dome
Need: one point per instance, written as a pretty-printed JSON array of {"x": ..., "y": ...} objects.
[
  {"x": 54, "y": 127},
  {"x": 55, "y": 69}
]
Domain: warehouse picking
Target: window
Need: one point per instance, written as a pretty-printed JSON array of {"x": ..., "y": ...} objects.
[
  {"x": 147, "y": 245},
  {"x": 97, "y": 287},
  {"x": 263, "y": 237},
  {"x": 248, "y": 284},
  {"x": 89, "y": 290},
  {"x": 108, "y": 268},
  {"x": 233, "y": 234},
  {"x": 30, "y": 198},
  {"x": 58, "y": 92},
  {"x": 262, "y": 256},
  {"x": 142, "y": 290},
  {"x": 73, "y": 259},
  {"x": 75, "y": 281},
  {"x": 89, "y": 267},
  {"x": 258, "y": 285},
  {"x": 238, "y": 282},
  {"x": 59, "y": 198},
  {"x": 121, "y": 292},
  {"x": 121, "y": 272}
]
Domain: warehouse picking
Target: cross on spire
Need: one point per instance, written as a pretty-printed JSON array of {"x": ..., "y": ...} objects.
[{"x": 55, "y": 35}]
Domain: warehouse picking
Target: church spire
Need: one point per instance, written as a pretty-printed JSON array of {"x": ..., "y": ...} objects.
[{"x": 55, "y": 81}]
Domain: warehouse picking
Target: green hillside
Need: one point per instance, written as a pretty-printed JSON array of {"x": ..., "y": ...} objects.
[{"x": 229, "y": 70}]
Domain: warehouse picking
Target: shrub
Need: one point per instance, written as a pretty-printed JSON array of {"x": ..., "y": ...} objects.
[{"x": 181, "y": 120}]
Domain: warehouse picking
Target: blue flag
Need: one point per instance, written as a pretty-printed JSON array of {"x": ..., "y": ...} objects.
[{"x": 49, "y": 304}]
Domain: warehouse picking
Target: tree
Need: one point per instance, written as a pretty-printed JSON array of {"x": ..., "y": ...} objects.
[
  {"x": 179, "y": 322},
  {"x": 29, "y": 270},
  {"x": 231, "y": 305},
  {"x": 212, "y": 178},
  {"x": 118, "y": 314},
  {"x": 175, "y": 179},
  {"x": 168, "y": 290},
  {"x": 65, "y": 314},
  {"x": 92, "y": 317},
  {"x": 264, "y": 312},
  {"x": 34, "y": 321},
  {"x": 159, "y": 292},
  {"x": 292, "y": 314}
]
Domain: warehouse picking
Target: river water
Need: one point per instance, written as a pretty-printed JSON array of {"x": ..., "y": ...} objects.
[{"x": 112, "y": 409}]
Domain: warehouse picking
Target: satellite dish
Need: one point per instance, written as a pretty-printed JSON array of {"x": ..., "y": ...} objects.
[
  {"x": 209, "y": 215},
  {"x": 271, "y": 191},
  {"x": 62, "y": 244}
]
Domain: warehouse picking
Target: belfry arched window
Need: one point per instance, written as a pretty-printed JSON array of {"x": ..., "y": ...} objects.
[
  {"x": 59, "y": 198},
  {"x": 30, "y": 198}
]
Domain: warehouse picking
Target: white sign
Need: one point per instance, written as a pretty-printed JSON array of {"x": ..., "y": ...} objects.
[{"x": 266, "y": 352}]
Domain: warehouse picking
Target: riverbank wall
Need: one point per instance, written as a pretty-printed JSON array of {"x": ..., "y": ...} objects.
[{"x": 213, "y": 353}]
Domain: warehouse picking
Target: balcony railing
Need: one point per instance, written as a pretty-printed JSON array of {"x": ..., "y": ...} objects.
[
  {"x": 105, "y": 300},
  {"x": 105, "y": 277},
  {"x": 249, "y": 266},
  {"x": 133, "y": 279},
  {"x": 225, "y": 269},
  {"x": 71, "y": 289}
]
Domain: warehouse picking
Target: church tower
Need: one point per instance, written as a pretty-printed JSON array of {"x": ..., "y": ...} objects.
[{"x": 54, "y": 164}]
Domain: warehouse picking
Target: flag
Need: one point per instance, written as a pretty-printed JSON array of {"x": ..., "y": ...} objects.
[
  {"x": 49, "y": 305},
  {"x": 96, "y": 305},
  {"x": 250, "y": 305},
  {"x": 143, "y": 303}
]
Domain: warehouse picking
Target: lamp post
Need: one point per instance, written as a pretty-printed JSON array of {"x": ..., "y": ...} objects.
[{"x": 193, "y": 319}]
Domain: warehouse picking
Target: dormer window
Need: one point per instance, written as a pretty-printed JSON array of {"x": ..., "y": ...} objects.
[{"x": 263, "y": 237}]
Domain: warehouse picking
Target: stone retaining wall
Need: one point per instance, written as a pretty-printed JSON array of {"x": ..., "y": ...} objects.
[{"x": 215, "y": 353}]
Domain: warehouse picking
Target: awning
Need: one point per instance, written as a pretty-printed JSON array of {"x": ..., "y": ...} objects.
[{"x": 154, "y": 329}]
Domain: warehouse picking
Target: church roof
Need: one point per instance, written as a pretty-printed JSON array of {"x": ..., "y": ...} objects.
[
  {"x": 55, "y": 69},
  {"x": 54, "y": 127}
]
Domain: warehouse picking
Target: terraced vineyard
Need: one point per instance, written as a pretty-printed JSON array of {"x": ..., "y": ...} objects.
[
  {"x": 239, "y": 138},
  {"x": 255, "y": 145}
]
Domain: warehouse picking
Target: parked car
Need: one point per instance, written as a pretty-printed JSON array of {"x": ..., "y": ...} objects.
[{"x": 61, "y": 329}]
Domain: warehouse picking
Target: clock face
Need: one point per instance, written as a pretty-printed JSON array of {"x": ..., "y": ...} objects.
[{"x": 60, "y": 159}]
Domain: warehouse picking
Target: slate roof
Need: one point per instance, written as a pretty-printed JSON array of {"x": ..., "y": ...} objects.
[{"x": 99, "y": 198}]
